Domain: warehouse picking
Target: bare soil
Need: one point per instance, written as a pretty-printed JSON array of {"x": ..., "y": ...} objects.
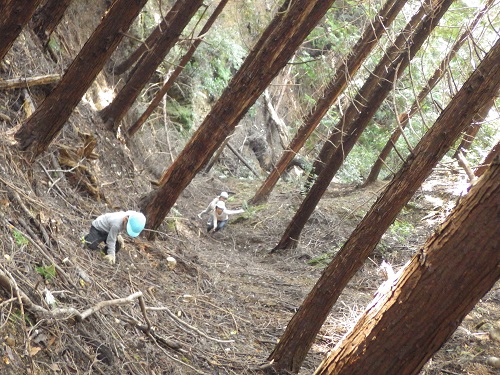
[{"x": 227, "y": 302}]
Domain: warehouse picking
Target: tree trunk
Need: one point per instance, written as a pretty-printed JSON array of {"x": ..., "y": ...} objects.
[
  {"x": 473, "y": 129},
  {"x": 15, "y": 83},
  {"x": 406, "y": 325},
  {"x": 488, "y": 160},
  {"x": 177, "y": 19},
  {"x": 332, "y": 91},
  {"x": 293, "y": 23},
  {"x": 185, "y": 59},
  {"x": 15, "y": 14},
  {"x": 43, "y": 126},
  {"x": 145, "y": 46},
  {"x": 306, "y": 323},
  {"x": 359, "y": 113},
  {"x": 47, "y": 17},
  {"x": 404, "y": 118}
]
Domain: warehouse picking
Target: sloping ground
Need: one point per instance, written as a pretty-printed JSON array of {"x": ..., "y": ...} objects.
[{"x": 224, "y": 306}]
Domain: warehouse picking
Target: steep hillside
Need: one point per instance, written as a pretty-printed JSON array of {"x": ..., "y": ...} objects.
[{"x": 226, "y": 303}]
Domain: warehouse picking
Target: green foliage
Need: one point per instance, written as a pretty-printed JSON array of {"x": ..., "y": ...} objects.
[
  {"x": 16, "y": 317},
  {"x": 220, "y": 57},
  {"x": 321, "y": 260},
  {"x": 402, "y": 230},
  {"x": 251, "y": 211},
  {"x": 19, "y": 238},
  {"x": 47, "y": 272},
  {"x": 181, "y": 115}
]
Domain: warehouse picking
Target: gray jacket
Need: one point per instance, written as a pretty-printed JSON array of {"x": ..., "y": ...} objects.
[{"x": 112, "y": 224}]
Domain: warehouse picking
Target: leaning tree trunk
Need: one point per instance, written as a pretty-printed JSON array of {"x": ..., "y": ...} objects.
[
  {"x": 404, "y": 118},
  {"x": 359, "y": 113},
  {"x": 178, "y": 70},
  {"x": 488, "y": 160},
  {"x": 177, "y": 19},
  {"x": 473, "y": 129},
  {"x": 43, "y": 126},
  {"x": 47, "y": 17},
  {"x": 144, "y": 47},
  {"x": 332, "y": 91},
  {"x": 15, "y": 14},
  {"x": 293, "y": 22},
  {"x": 412, "y": 318},
  {"x": 306, "y": 323}
]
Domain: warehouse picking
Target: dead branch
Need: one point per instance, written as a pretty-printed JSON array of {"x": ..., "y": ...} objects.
[
  {"x": 81, "y": 273},
  {"x": 239, "y": 156},
  {"x": 4, "y": 117},
  {"x": 173, "y": 316},
  {"x": 149, "y": 331},
  {"x": 16, "y": 83},
  {"x": 113, "y": 302},
  {"x": 60, "y": 313},
  {"x": 278, "y": 121},
  {"x": 462, "y": 161},
  {"x": 15, "y": 196},
  {"x": 42, "y": 251}
]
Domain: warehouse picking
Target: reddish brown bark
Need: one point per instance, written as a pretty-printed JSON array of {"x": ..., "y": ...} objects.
[
  {"x": 360, "y": 112},
  {"x": 434, "y": 293},
  {"x": 306, "y": 323},
  {"x": 15, "y": 14},
  {"x": 332, "y": 91},
  {"x": 47, "y": 17},
  {"x": 147, "y": 45},
  {"x": 177, "y": 19},
  {"x": 431, "y": 83},
  {"x": 47, "y": 121},
  {"x": 277, "y": 44},
  {"x": 180, "y": 67},
  {"x": 495, "y": 151},
  {"x": 473, "y": 129}
]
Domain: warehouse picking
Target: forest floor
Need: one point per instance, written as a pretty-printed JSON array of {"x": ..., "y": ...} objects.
[
  {"x": 225, "y": 305},
  {"x": 222, "y": 309}
]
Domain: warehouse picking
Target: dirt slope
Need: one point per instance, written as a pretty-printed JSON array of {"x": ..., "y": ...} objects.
[
  {"x": 227, "y": 302},
  {"x": 224, "y": 306}
]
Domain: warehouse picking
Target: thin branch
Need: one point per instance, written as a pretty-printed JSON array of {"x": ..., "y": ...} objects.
[{"x": 173, "y": 316}]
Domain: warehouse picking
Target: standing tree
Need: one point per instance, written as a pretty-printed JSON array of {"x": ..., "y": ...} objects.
[
  {"x": 307, "y": 321},
  {"x": 144, "y": 47},
  {"x": 177, "y": 19},
  {"x": 332, "y": 91},
  {"x": 404, "y": 118},
  {"x": 15, "y": 14},
  {"x": 412, "y": 318},
  {"x": 47, "y": 17},
  {"x": 359, "y": 113},
  {"x": 293, "y": 22},
  {"x": 494, "y": 152},
  {"x": 178, "y": 70},
  {"x": 473, "y": 129},
  {"x": 47, "y": 121}
]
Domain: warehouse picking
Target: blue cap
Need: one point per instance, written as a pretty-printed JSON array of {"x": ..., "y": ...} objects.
[{"x": 136, "y": 223}]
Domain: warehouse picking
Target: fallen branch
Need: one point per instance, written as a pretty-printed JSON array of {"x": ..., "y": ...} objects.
[
  {"x": 239, "y": 156},
  {"x": 173, "y": 316},
  {"x": 462, "y": 161},
  {"x": 81, "y": 273},
  {"x": 60, "y": 313},
  {"x": 16, "y": 83},
  {"x": 150, "y": 332}
]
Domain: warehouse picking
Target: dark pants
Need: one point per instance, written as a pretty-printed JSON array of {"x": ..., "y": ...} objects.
[
  {"x": 95, "y": 237},
  {"x": 220, "y": 225}
]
